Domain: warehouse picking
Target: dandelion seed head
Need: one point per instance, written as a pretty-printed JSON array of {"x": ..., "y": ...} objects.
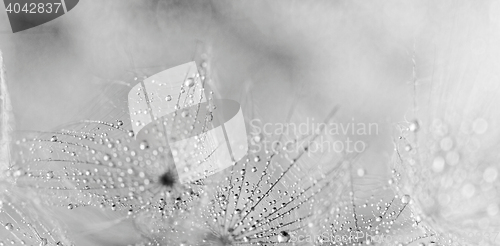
[
  {"x": 265, "y": 198},
  {"x": 104, "y": 163},
  {"x": 97, "y": 163}
]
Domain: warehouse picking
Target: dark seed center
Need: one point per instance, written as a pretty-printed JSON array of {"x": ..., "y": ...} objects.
[{"x": 168, "y": 179}]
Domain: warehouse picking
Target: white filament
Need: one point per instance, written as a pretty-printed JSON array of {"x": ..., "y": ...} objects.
[{"x": 6, "y": 120}]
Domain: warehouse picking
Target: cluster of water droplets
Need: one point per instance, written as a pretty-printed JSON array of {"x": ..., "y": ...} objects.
[
  {"x": 24, "y": 223},
  {"x": 283, "y": 195},
  {"x": 279, "y": 193},
  {"x": 276, "y": 194},
  {"x": 453, "y": 178},
  {"x": 97, "y": 164},
  {"x": 365, "y": 211},
  {"x": 105, "y": 164},
  {"x": 22, "y": 220},
  {"x": 446, "y": 158},
  {"x": 263, "y": 199}
]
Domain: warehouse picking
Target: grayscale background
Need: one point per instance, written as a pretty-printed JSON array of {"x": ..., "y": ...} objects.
[{"x": 359, "y": 55}]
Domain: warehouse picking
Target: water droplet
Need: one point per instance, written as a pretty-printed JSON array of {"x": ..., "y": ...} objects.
[
  {"x": 405, "y": 199},
  {"x": 414, "y": 126},
  {"x": 43, "y": 241},
  {"x": 257, "y": 138},
  {"x": 408, "y": 147},
  {"x": 50, "y": 174},
  {"x": 480, "y": 126},
  {"x": 446, "y": 144},
  {"x": 143, "y": 145},
  {"x": 9, "y": 227},
  {"x": 283, "y": 237},
  {"x": 361, "y": 172},
  {"x": 468, "y": 190},
  {"x": 106, "y": 157},
  {"x": 490, "y": 174},
  {"x": 493, "y": 209},
  {"x": 210, "y": 117},
  {"x": 189, "y": 82},
  {"x": 438, "y": 164}
]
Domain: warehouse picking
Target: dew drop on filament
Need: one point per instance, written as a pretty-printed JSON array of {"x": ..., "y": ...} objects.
[
  {"x": 405, "y": 199},
  {"x": 189, "y": 82},
  {"x": 143, "y": 145},
  {"x": 9, "y": 227},
  {"x": 283, "y": 237},
  {"x": 414, "y": 126}
]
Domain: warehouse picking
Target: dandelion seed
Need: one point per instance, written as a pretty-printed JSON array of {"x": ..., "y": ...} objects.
[
  {"x": 268, "y": 205},
  {"x": 24, "y": 223},
  {"x": 451, "y": 172},
  {"x": 364, "y": 211},
  {"x": 103, "y": 164}
]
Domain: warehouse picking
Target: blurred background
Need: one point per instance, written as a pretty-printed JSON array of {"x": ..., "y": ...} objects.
[{"x": 364, "y": 56}]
